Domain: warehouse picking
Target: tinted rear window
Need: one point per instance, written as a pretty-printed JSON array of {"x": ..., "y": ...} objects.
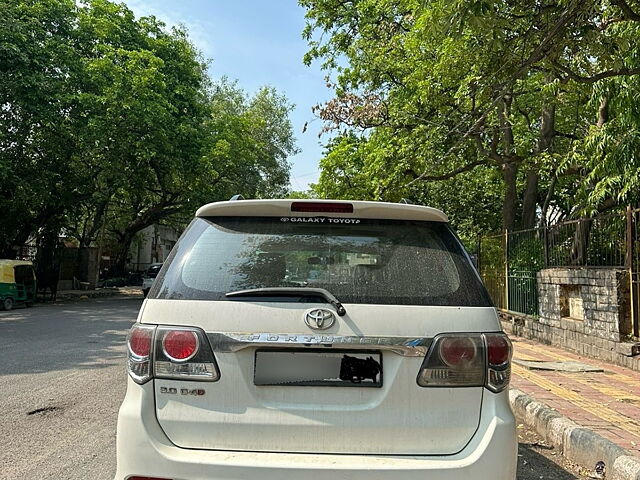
[{"x": 358, "y": 260}]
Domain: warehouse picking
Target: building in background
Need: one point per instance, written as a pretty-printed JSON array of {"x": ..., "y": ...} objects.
[{"x": 153, "y": 245}]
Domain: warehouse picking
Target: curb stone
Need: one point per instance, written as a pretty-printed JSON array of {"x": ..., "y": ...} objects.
[{"x": 578, "y": 444}]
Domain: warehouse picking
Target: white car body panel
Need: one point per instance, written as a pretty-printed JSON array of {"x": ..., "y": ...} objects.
[
  {"x": 145, "y": 450},
  {"x": 283, "y": 317},
  {"x": 282, "y": 208},
  {"x": 399, "y": 418}
]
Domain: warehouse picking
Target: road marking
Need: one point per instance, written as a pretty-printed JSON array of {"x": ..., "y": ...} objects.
[
  {"x": 596, "y": 409},
  {"x": 558, "y": 356},
  {"x": 607, "y": 390}
]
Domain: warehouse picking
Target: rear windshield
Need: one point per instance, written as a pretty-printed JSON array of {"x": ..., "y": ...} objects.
[{"x": 358, "y": 260}]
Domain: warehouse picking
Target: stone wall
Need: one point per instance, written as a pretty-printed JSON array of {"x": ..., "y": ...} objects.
[{"x": 585, "y": 310}]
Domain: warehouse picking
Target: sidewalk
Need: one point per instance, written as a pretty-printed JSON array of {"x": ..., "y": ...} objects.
[
  {"x": 605, "y": 401},
  {"x": 64, "y": 295}
]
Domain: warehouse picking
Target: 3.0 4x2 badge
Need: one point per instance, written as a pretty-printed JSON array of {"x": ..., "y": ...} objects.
[{"x": 198, "y": 392}]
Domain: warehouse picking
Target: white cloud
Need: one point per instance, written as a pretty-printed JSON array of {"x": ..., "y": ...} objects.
[{"x": 197, "y": 31}]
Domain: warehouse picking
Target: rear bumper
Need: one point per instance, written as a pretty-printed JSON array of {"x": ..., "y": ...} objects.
[{"x": 144, "y": 449}]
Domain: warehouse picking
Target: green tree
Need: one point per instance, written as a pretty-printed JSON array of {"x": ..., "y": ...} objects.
[
  {"x": 111, "y": 124},
  {"x": 39, "y": 68},
  {"x": 435, "y": 90}
]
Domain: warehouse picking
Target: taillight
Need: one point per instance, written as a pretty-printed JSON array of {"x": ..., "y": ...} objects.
[
  {"x": 498, "y": 361},
  {"x": 458, "y": 352},
  {"x": 180, "y": 345},
  {"x": 140, "y": 343},
  {"x": 184, "y": 353},
  {"x": 467, "y": 360},
  {"x": 498, "y": 349},
  {"x": 170, "y": 352},
  {"x": 454, "y": 360}
]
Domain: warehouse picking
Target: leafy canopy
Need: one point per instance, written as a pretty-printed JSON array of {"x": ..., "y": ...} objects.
[
  {"x": 111, "y": 123},
  {"x": 526, "y": 105}
]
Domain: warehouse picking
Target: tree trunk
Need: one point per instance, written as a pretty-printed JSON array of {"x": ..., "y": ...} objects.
[
  {"x": 510, "y": 167},
  {"x": 580, "y": 247},
  {"x": 509, "y": 173},
  {"x": 122, "y": 253},
  {"x": 545, "y": 144},
  {"x": 91, "y": 230},
  {"x": 530, "y": 199},
  {"x": 547, "y": 201},
  {"x": 125, "y": 237}
]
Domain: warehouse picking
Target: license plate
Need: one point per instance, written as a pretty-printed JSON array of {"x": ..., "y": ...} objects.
[{"x": 318, "y": 368}]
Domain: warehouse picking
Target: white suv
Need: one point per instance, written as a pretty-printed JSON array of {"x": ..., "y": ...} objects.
[{"x": 317, "y": 339}]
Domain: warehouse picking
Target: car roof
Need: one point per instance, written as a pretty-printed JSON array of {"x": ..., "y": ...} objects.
[{"x": 361, "y": 209}]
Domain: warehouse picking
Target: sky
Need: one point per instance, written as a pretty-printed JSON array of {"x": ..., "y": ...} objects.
[{"x": 257, "y": 43}]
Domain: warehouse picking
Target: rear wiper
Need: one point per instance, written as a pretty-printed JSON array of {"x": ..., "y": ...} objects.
[{"x": 291, "y": 291}]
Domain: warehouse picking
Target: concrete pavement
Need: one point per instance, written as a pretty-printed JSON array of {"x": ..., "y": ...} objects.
[
  {"x": 590, "y": 415},
  {"x": 99, "y": 293}
]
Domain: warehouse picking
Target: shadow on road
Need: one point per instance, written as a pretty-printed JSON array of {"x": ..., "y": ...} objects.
[
  {"x": 87, "y": 334},
  {"x": 533, "y": 465}
]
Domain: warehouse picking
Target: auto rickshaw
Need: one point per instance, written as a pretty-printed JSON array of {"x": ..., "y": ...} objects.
[{"x": 17, "y": 283}]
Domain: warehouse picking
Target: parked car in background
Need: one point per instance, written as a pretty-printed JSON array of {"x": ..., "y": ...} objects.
[
  {"x": 17, "y": 283},
  {"x": 149, "y": 276},
  {"x": 321, "y": 340}
]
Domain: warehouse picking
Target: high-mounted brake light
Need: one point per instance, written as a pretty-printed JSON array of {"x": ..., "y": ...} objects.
[
  {"x": 170, "y": 352},
  {"x": 467, "y": 360},
  {"x": 322, "y": 207}
]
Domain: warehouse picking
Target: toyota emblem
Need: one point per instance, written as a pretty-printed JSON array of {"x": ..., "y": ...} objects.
[{"x": 319, "y": 319}]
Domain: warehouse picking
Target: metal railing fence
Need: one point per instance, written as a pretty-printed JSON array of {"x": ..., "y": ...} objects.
[
  {"x": 509, "y": 262},
  {"x": 493, "y": 267},
  {"x": 633, "y": 264}
]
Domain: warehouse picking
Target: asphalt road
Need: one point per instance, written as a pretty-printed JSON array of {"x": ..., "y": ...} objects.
[{"x": 62, "y": 379}]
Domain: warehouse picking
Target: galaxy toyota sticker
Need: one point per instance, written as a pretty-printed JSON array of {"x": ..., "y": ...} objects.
[{"x": 319, "y": 220}]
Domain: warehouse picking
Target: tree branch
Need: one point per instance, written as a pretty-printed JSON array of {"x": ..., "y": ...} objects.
[
  {"x": 599, "y": 76},
  {"x": 628, "y": 12},
  {"x": 565, "y": 135},
  {"x": 536, "y": 55},
  {"x": 493, "y": 153},
  {"x": 446, "y": 176},
  {"x": 607, "y": 23}
]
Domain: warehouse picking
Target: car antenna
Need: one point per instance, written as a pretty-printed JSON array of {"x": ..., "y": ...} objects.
[{"x": 236, "y": 197}]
